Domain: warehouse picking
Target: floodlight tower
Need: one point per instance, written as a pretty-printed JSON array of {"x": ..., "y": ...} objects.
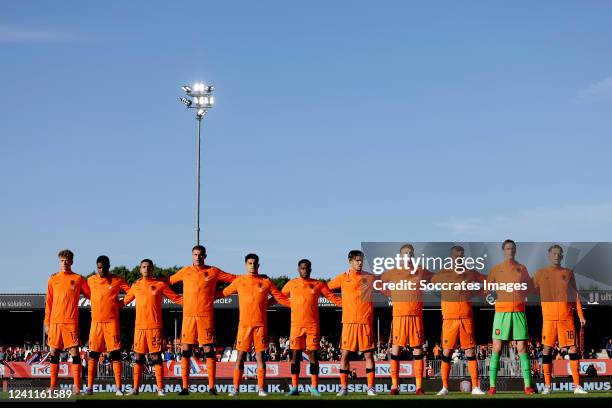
[{"x": 202, "y": 101}]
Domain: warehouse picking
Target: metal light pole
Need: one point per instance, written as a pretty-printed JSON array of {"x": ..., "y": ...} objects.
[{"x": 202, "y": 102}]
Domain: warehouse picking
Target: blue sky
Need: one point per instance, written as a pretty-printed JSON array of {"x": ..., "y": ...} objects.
[{"x": 336, "y": 123}]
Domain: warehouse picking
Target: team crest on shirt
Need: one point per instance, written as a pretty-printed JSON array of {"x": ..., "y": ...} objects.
[
  {"x": 72, "y": 284},
  {"x": 153, "y": 289},
  {"x": 497, "y": 332},
  {"x": 261, "y": 289},
  {"x": 312, "y": 290},
  {"x": 206, "y": 278},
  {"x": 564, "y": 277}
]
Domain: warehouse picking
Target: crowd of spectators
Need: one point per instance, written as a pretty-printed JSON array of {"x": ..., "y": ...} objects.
[
  {"x": 279, "y": 350},
  {"x": 21, "y": 353}
]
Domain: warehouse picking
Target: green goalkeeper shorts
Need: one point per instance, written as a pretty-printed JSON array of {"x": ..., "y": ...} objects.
[{"x": 510, "y": 326}]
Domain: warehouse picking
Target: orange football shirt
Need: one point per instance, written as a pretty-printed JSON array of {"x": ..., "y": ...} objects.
[
  {"x": 199, "y": 284},
  {"x": 304, "y": 296},
  {"x": 149, "y": 293},
  {"x": 558, "y": 293},
  {"x": 510, "y": 272},
  {"x": 357, "y": 292},
  {"x": 406, "y": 302},
  {"x": 253, "y": 293},
  {"x": 104, "y": 300},
  {"x": 457, "y": 304},
  {"x": 62, "y": 301}
]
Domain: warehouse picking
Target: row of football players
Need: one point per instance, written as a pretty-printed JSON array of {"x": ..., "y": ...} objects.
[{"x": 301, "y": 295}]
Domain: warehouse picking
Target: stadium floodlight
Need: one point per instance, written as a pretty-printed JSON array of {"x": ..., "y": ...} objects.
[{"x": 203, "y": 100}]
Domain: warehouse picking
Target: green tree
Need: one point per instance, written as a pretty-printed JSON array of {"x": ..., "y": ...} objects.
[
  {"x": 280, "y": 281},
  {"x": 132, "y": 275}
]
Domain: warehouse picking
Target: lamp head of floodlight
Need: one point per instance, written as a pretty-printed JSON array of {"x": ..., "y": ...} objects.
[
  {"x": 204, "y": 101},
  {"x": 186, "y": 88},
  {"x": 200, "y": 113},
  {"x": 186, "y": 101},
  {"x": 199, "y": 87}
]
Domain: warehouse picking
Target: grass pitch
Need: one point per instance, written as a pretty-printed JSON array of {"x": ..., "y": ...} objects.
[{"x": 453, "y": 400}]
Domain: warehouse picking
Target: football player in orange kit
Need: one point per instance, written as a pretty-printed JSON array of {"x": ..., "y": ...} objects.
[
  {"x": 407, "y": 327},
  {"x": 357, "y": 288},
  {"x": 510, "y": 321},
  {"x": 64, "y": 289},
  {"x": 305, "y": 334},
  {"x": 253, "y": 291},
  {"x": 148, "y": 292},
  {"x": 558, "y": 297},
  {"x": 104, "y": 329},
  {"x": 457, "y": 318},
  {"x": 199, "y": 283}
]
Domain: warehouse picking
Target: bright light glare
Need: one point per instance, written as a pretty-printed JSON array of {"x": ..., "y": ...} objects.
[{"x": 198, "y": 87}]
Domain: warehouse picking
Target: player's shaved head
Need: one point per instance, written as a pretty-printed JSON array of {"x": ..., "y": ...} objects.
[
  {"x": 146, "y": 260},
  {"x": 104, "y": 260},
  {"x": 306, "y": 262},
  {"x": 304, "y": 268},
  {"x": 251, "y": 256}
]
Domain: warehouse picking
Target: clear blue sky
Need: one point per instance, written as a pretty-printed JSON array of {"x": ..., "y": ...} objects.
[{"x": 336, "y": 123}]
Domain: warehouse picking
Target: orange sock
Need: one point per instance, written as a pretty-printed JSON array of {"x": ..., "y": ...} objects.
[
  {"x": 76, "y": 374},
  {"x": 445, "y": 371},
  {"x": 574, "y": 367},
  {"x": 54, "y": 370},
  {"x": 294, "y": 380},
  {"x": 370, "y": 376},
  {"x": 314, "y": 380},
  {"x": 473, "y": 369},
  {"x": 261, "y": 378},
  {"x": 137, "y": 375},
  {"x": 237, "y": 378},
  {"x": 211, "y": 367},
  {"x": 418, "y": 373},
  {"x": 394, "y": 373},
  {"x": 547, "y": 374},
  {"x": 117, "y": 372},
  {"x": 185, "y": 367},
  {"x": 343, "y": 380},
  {"x": 92, "y": 365},
  {"x": 159, "y": 376}
]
